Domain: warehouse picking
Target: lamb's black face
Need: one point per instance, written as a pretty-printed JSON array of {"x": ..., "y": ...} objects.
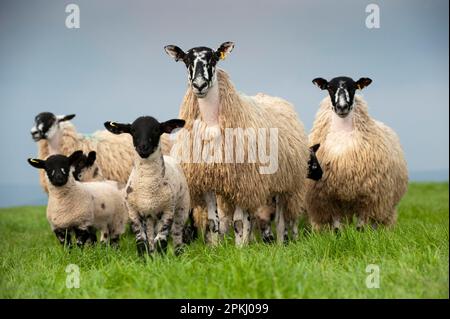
[
  {"x": 201, "y": 65},
  {"x": 146, "y": 132},
  {"x": 342, "y": 92},
  {"x": 82, "y": 164},
  {"x": 57, "y": 167},
  {"x": 46, "y": 124},
  {"x": 314, "y": 170}
]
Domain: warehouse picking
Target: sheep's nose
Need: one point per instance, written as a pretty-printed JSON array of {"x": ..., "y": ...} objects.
[{"x": 200, "y": 87}]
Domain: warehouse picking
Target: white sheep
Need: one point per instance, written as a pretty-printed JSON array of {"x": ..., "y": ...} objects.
[
  {"x": 210, "y": 107},
  {"x": 364, "y": 169},
  {"x": 81, "y": 208},
  {"x": 157, "y": 194}
]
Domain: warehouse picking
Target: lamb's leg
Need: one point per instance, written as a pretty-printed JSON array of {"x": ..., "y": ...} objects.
[
  {"x": 163, "y": 234},
  {"x": 213, "y": 218},
  {"x": 92, "y": 235},
  {"x": 361, "y": 223},
  {"x": 337, "y": 223},
  {"x": 279, "y": 220},
  {"x": 190, "y": 232},
  {"x": 294, "y": 228},
  {"x": 150, "y": 231},
  {"x": 64, "y": 236},
  {"x": 242, "y": 226},
  {"x": 82, "y": 236},
  {"x": 177, "y": 231},
  {"x": 139, "y": 230}
]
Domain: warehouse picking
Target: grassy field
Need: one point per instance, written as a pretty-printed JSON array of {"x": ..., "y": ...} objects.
[{"x": 412, "y": 261}]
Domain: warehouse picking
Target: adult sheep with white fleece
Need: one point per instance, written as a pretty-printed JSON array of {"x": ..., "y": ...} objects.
[
  {"x": 364, "y": 169},
  {"x": 214, "y": 110},
  {"x": 56, "y": 135}
]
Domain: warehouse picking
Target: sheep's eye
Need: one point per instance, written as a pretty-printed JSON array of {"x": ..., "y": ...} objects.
[{"x": 53, "y": 172}]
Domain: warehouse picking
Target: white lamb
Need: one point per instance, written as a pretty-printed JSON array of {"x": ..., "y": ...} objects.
[
  {"x": 81, "y": 208},
  {"x": 157, "y": 193}
]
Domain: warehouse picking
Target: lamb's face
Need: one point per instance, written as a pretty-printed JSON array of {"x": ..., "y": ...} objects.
[
  {"x": 46, "y": 124},
  {"x": 314, "y": 170},
  {"x": 201, "y": 65},
  {"x": 84, "y": 168},
  {"x": 57, "y": 167},
  {"x": 146, "y": 132},
  {"x": 342, "y": 92}
]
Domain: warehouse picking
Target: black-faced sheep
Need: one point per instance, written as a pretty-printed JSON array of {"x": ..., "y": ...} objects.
[
  {"x": 214, "y": 109},
  {"x": 364, "y": 169},
  {"x": 156, "y": 192},
  {"x": 81, "y": 208}
]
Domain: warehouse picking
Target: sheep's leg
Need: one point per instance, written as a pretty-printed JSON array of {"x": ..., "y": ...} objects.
[
  {"x": 253, "y": 228},
  {"x": 242, "y": 226},
  {"x": 162, "y": 237},
  {"x": 280, "y": 221},
  {"x": 64, "y": 236},
  {"x": 361, "y": 223},
  {"x": 213, "y": 218},
  {"x": 294, "y": 228},
  {"x": 224, "y": 222},
  {"x": 104, "y": 236},
  {"x": 190, "y": 232},
  {"x": 177, "y": 232},
  {"x": 266, "y": 231},
  {"x": 92, "y": 235},
  {"x": 139, "y": 230},
  {"x": 150, "y": 230},
  {"x": 336, "y": 223},
  {"x": 114, "y": 236}
]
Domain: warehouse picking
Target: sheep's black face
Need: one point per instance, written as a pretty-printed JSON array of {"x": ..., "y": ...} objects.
[
  {"x": 46, "y": 124},
  {"x": 342, "y": 92},
  {"x": 57, "y": 167},
  {"x": 314, "y": 170},
  {"x": 146, "y": 132},
  {"x": 201, "y": 65},
  {"x": 83, "y": 164},
  {"x": 42, "y": 124}
]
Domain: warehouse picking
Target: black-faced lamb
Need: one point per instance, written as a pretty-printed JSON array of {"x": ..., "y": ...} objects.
[
  {"x": 157, "y": 193},
  {"x": 78, "y": 207}
]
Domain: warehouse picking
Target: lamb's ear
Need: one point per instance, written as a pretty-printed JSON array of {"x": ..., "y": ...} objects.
[
  {"x": 91, "y": 158},
  {"x": 224, "y": 49},
  {"x": 170, "y": 125},
  {"x": 314, "y": 148},
  {"x": 37, "y": 163},
  {"x": 362, "y": 83},
  {"x": 75, "y": 157},
  {"x": 117, "y": 128},
  {"x": 175, "y": 52},
  {"x": 62, "y": 118},
  {"x": 321, "y": 83}
]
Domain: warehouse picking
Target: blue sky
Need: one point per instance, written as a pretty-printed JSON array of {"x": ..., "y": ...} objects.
[{"x": 114, "y": 66}]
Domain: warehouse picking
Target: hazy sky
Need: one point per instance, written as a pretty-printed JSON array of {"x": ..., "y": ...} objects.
[{"x": 114, "y": 67}]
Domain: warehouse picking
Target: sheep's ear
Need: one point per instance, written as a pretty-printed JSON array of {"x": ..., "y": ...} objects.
[
  {"x": 75, "y": 157},
  {"x": 321, "y": 83},
  {"x": 224, "y": 49},
  {"x": 91, "y": 158},
  {"x": 314, "y": 148},
  {"x": 362, "y": 83},
  {"x": 62, "y": 118},
  {"x": 117, "y": 128},
  {"x": 37, "y": 163},
  {"x": 175, "y": 52},
  {"x": 170, "y": 125}
]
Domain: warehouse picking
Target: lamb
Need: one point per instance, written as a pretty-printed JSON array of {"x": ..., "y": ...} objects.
[
  {"x": 81, "y": 208},
  {"x": 365, "y": 173},
  {"x": 157, "y": 193},
  {"x": 212, "y": 108},
  {"x": 56, "y": 135}
]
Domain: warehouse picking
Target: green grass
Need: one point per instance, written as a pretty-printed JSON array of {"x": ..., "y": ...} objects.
[{"x": 413, "y": 261}]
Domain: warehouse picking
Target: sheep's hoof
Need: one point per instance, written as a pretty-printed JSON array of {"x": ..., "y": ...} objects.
[
  {"x": 268, "y": 239},
  {"x": 179, "y": 250},
  {"x": 161, "y": 245},
  {"x": 142, "y": 248}
]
